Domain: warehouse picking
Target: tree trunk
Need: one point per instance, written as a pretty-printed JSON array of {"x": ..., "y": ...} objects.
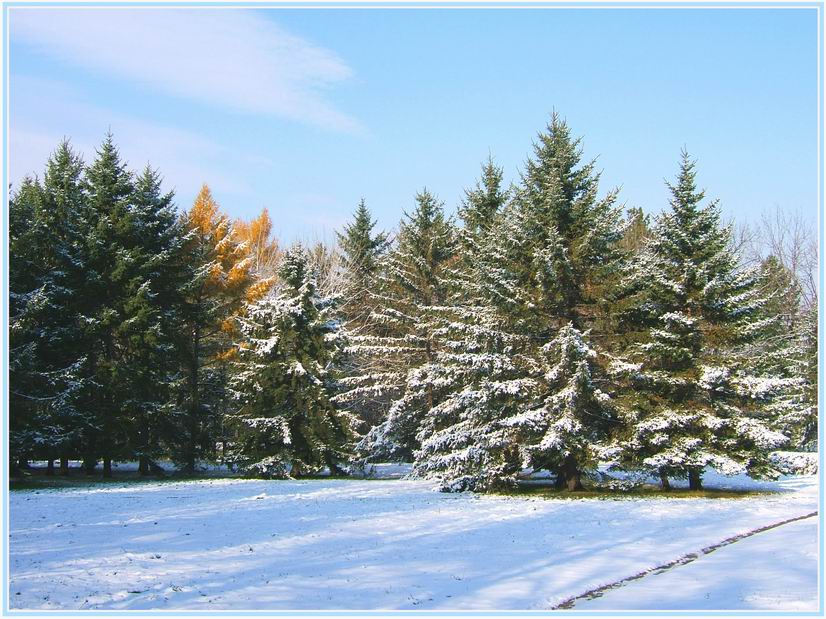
[
  {"x": 695, "y": 480},
  {"x": 569, "y": 476},
  {"x": 50, "y": 467},
  {"x": 64, "y": 466},
  {"x": 664, "y": 481},
  {"x": 194, "y": 404},
  {"x": 107, "y": 467},
  {"x": 335, "y": 470},
  {"x": 89, "y": 465},
  {"x": 143, "y": 466},
  {"x": 574, "y": 481},
  {"x": 23, "y": 464}
]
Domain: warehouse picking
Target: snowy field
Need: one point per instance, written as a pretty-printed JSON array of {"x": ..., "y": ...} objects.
[{"x": 395, "y": 544}]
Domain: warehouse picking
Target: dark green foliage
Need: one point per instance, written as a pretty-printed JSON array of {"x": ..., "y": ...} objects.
[
  {"x": 548, "y": 331},
  {"x": 46, "y": 277},
  {"x": 689, "y": 400},
  {"x": 285, "y": 377},
  {"x": 361, "y": 250},
  {"x": 94, "y": 294},
  {"x": 414, "y": 281}
]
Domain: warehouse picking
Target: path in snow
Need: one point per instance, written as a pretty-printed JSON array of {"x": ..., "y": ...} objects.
[
  {"x": 344, "y": 544},
  {"x": 773, "y": 570}
]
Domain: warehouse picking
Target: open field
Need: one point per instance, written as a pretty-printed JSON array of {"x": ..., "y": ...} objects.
[{"x": 381, "y": 544}]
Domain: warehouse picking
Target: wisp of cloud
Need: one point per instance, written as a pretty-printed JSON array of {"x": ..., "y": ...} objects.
[{"x": 227, "y": 58}]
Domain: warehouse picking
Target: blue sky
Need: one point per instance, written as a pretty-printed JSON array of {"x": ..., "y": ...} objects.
[{"x": 306, "y": 111}]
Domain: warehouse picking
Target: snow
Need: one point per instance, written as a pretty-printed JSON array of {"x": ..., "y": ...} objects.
[
  {"x": 781, "y": 575},
  {"x": 363, "y": 544}
]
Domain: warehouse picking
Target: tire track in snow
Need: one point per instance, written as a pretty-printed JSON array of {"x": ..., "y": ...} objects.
[{"x": 689, "y": 558}]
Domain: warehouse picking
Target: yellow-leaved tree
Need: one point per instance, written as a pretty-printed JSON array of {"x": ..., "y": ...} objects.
[
  {"x": 221, "y": 279},
  {"x": 263, "y": 249}
]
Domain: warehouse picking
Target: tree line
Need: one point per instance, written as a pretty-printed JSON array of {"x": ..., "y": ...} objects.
[{"x": 544, "y": 327}]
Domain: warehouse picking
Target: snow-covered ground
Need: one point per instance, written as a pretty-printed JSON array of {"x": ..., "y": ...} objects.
[
  {"x": 772, "y": 570},
  {"x": 362, "y": 544}
]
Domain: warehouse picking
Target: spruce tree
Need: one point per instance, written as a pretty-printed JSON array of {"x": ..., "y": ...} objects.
[
  {"x": 690, "y": 401},
  {"x": 568, "y": 430},
  {"x": 780, "y": 355},
  {"x": 414, "y": 279},
  {"x": 63, "y": 231},
  {"x": 477, "y": 377},
  {"x": 109, "y": 235},
  {"x": 361, "y": 250},
  {"x": 558, "y": 242},
  {"x": 151, "y": 304},
  {"x": 479, "y": 381},
  {"x": 482, "y": 204},
  {"x": 29, "y": 299},
  {"x": 287, "y": 366},
  {"x": 551, "y": 261},
  {"x": 47, "y": 274}
]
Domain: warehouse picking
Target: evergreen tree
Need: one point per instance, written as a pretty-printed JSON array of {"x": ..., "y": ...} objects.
[
  {"x": 108, "y": 234},
  {"x": 780, "y": 355},
  {"x": 637, "y": 230},
  {"x": 476, "y": 377},
  {"x": 29, "y": 305},
  {"x": 565, "y": 432},
  {"x": 806, "y": 429},
  {"x": 287, "y": 373},
  {"x": 558, "y": 243},
  {"x": 414, "y": 280},
  {"x": 361, "y": 251},
  {"x": 482, "y": 204},
  {"x": 479, "y": 382},
  {"x": 551, "y": 262},
  {"x": 689, "y": 400},
  {"x": 151, "y": 285}
]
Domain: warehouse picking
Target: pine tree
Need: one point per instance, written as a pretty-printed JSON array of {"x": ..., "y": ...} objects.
[
  {"x": 565, "y": 432},
  {"x": 476, "y": 377},
  {"x": 482, "y": 204},
  {"x": 287, "y": 373},
  {"x": 689, "y": 399},
  {"x": 807, "y": 367},
  {"x": 151, "y": 283},
  {"x": 414, "y": 279},
  {"x": 108, "y": 234},
  {"x": 779, "y": 355},
  {"x": 478, "y": 382},
  {"x": 551, "y": 262},
  {"x": 637, "y": 230},
  {"x": 361, "y": 251},
  {"x": 559, "y": 243},
  {"x": 30, "y": 298}
]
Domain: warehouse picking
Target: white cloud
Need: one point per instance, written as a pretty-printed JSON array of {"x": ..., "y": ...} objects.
[
  {"x": 186, "y": 159},
  {"x": 229, "y": 58}
]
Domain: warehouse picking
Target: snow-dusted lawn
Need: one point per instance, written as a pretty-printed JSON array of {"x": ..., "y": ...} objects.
[
  {"x": 347, "y": 544},
  {"x": 774, "y": 570}
]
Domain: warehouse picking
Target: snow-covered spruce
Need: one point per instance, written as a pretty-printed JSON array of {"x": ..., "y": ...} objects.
[
  {"x": 287, "y": 424},
  {"x": 414, "y": 278},
  {"x": 687, "y": 393},
  {"x": 566, "y": 433}
]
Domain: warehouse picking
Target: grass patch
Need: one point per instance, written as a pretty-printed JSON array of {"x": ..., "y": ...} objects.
[
  {"x": 646, "y": 491},
  {"x": 41, "y": 481},
  {"x": 38, "y": 480}
]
